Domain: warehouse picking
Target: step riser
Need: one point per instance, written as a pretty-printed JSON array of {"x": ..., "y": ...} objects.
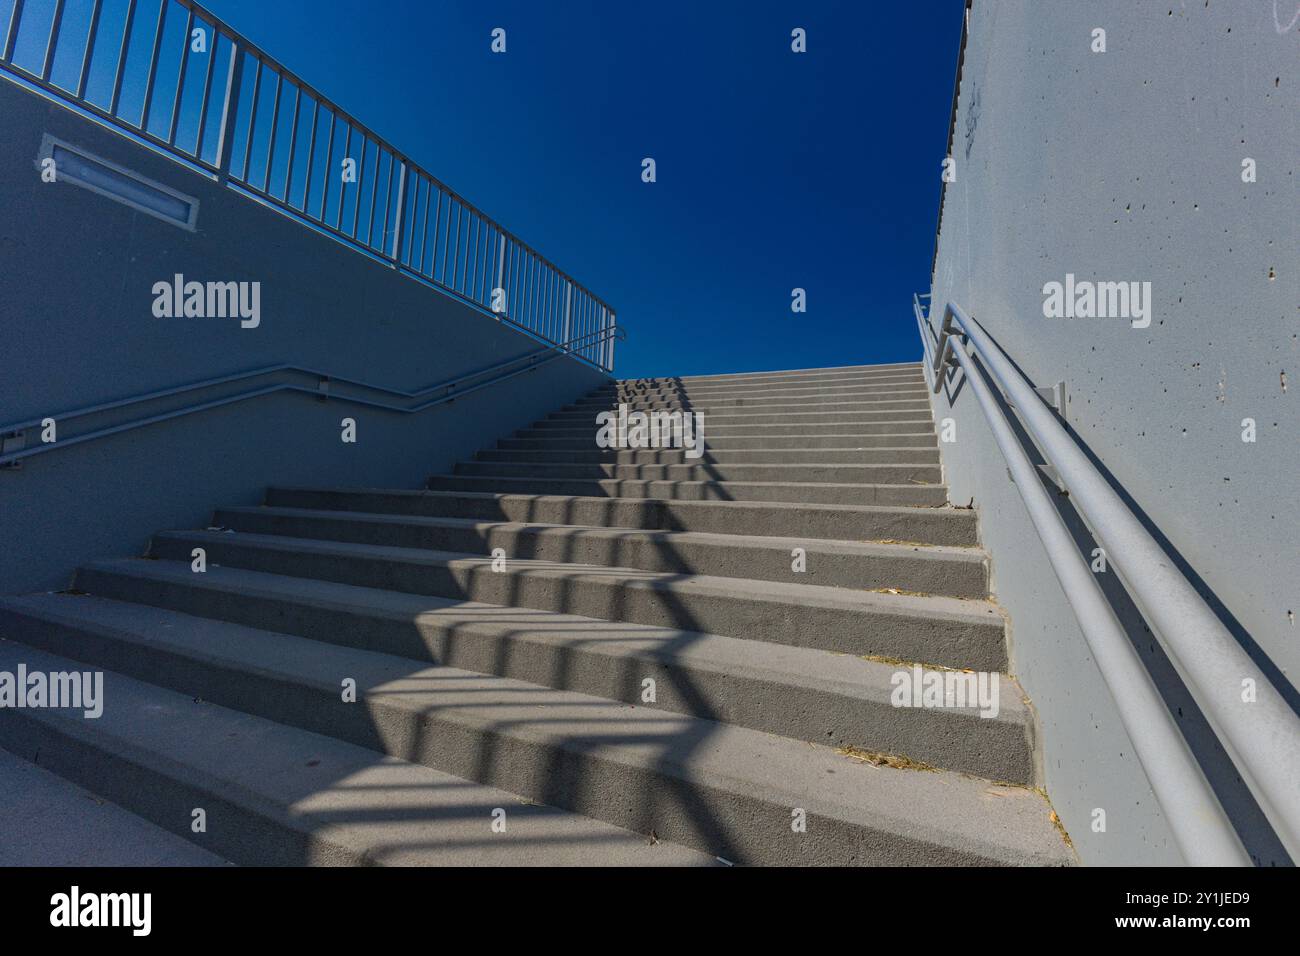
[
  {"x": 845, "y": 380},
  {"x": 907, "y": 426},
  {"x": 929, "y": 525},
  {"x": 848, "y": 474},
  {"x": 152, "y": 791},
  {"x": 589, "y": 410},
  {"x": 792, "y": 392},
  {"x": 762, "y": 418},
  {"x": 849, "y": 630},
  {"x": 796, "y": 456},
  {"x": 996, "y": 748},
  {"x": 741, "y": 828},
  {"x": 917, "y": 496},
  {"x": 776, "y": 403},
  {"x": 909, "y": 571},
  {"x": 714, "y": 443},
  {"x": 895, "y": 368}
]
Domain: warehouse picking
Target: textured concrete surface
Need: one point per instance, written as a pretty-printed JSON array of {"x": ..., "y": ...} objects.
[
  {"x": 712, "y": 786},
  {"x": 277, "y": 795},
  {"x": 49, "y": 821},
  {"x": 940, "y": 526},
  {"x": 804, "y": 693},
  {"x": 1127, "y": 166},
  {"x": 930, "y": 629},
  {"x": 956, "y": 572}
]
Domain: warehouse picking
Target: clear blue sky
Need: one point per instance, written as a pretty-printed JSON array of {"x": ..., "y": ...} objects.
[{"x": 775, "y": 170}]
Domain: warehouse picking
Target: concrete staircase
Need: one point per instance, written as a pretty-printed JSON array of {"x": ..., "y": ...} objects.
[{"x": 770, "y": 736}]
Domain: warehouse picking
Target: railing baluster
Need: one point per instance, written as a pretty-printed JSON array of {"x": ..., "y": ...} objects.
[
  {"x": 229, "y": 109},
  {"x": 293, "y": 144},
  {"x": 258, "y": 69},
  {"x": 180, "y": 80},
  {"x": 424, "y": 230},
  {"x": 343, "y": 194},
  {"x": 361, "y": 171},
  {"x": 311, "y": 152},
  {"x": 52, "y": 41},
  {"x": 152, "y": 78},
  {"x": 11, "y": 35},
  {"x": 329, "y": 165},
  {"x": 91, "y": 34},
  {"x": 207, "y": 91},
  {"x": 401, "y": 209},
  {"x": 275, "y": 129},
  {"x": 123, "y": 52}
]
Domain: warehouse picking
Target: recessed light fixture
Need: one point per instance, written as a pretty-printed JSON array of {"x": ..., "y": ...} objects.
[{"x": 74, "y": 165}]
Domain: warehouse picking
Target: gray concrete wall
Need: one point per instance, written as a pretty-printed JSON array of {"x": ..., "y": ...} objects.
[
  {"x": 1127, "y": 165},
  {"x": 77, "y": 327}
]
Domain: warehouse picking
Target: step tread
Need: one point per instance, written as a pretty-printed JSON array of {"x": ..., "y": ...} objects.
[
  {"x": 866, "y": 549},
  {"x": 50, "y": 821},
  {"x": 964, "y": 610},
  {"x": 940, "y": 810},
  {"x": 958, "y": 514},
  {"x": 364, "y": 806}
]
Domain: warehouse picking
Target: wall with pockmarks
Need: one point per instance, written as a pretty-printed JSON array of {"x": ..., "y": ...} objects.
[{"x": 1131, "y": 165}]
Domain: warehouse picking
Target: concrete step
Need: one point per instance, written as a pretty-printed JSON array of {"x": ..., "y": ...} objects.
[
  {"x": 957, "y": 572},
  {"x": 762, "y": 417},
  {"x": 793, "y": 392},
  {"x": 734, "y": 430},
  {"x": 914, "y": 495},
  {"x": 588, "y": 410},
  {"x": 943, "y": 526},
  {"x": 806, "y": 694},
  {"x": 694, "y": 471},
  {"x": 795, "y": 375},
  {"x": 49, "y": 821},
  {"x": 724, "y": 790},
  {"x": 928, "y": 629},
  {"x": 676, "y": 400},
  {"x": 275, "y": 794},
  {"x": 669, "y": 456},
  {"x": 718, "y": 443},
  {"x": 879, "y": 411}
]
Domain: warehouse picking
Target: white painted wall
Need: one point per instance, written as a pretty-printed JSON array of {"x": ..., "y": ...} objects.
[{"x": 1127, "y": 165}]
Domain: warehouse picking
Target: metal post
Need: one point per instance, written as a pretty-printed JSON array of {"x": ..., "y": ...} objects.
[
  {"x": 229, "y": 106},
  {"x": 401, "y": 207}
]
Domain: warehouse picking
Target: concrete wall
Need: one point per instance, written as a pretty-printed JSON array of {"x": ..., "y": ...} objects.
[
  {"x": 1127, "y": 165},
  {"x": 77, "y": 328}
]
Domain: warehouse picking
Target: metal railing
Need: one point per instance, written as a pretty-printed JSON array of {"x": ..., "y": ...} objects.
[
  {"x": 1262, "y": 737},
  {"x": 171, "y": 74},
  {"x": 15, "y": 447}
]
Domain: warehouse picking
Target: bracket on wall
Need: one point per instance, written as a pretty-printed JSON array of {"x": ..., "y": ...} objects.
[
  {"x": 1054, "y": 395},
  {"x": 323, "y": 388}
]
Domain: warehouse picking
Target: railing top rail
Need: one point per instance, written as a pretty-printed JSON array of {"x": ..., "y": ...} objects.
[
  {"x": 260, "y": 53},
  {"x": 1262, "y": 738}
]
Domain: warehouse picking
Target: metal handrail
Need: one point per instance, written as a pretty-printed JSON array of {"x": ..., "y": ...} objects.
[
  {"x": 324, "y": 382},
  {"x": 1262, "y": 738},
  {"x": 422, "y": 228}
]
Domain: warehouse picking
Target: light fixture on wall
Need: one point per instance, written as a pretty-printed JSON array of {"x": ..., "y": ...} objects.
[{"x": 74, "y": 165}]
